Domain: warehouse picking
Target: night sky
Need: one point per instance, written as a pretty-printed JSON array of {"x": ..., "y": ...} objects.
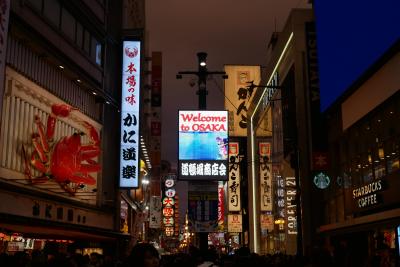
[
  {"x": 351, "y": 36},
  {"x": 230, "y": 31}
]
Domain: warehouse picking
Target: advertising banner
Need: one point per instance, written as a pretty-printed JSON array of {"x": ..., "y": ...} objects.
[
  {"x": 234, "y": 178},
  {"x": 203, "y": 145},
  {"x": 129, "y": 155},
  {"x": 265, "y": 176},
  {"x": 234, "y": 223},
  {"x": 239, "y": 95}
]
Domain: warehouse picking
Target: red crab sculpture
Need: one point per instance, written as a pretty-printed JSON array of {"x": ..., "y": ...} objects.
[{"x": 63, "y": 160}]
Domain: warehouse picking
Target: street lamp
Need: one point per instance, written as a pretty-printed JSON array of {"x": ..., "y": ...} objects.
[{"x": 202, "y": 75}]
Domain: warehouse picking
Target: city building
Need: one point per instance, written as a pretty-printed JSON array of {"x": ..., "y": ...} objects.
[
  {"x": 361, "y": 205},
  {"x": 281, "y": 142},
  {"x": 59, "y": 166}
]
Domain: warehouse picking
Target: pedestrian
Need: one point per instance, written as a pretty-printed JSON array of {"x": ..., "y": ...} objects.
[{"x": 143, "y": 255}]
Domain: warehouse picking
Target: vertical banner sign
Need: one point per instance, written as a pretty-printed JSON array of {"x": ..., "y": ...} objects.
[
  {"x": 221, "y": 205},
  {"x": 129, "y": 157},
  {"x": 169, "y": 207},
  {"x": 155, "y": 212},
  {"x": 4, "y": 18},
  {"x": 176, "y": 228},
  {"x": 239, "y": 95},
  {"x": 155, "y": 118},
  {"x": 203, "y": 145},
  {"x": 280, "y": 197},
  {"x": 265, "y": 176},
  {"x": 156, "y": 74},
  {"x": 313, "y": 84},
  {"x": 234, "y": 178},
  {"x": 291, "y": 218}
]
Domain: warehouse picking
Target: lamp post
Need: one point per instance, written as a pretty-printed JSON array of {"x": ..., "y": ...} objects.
[{"x": 202, "y": 75}]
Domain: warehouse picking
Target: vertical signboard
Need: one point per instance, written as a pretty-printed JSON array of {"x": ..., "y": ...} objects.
[
  {"x": 234, "y": 178},
  {"x": 221, "y": 204},
  {"x": 239, "y": 95},
  {"x": 169, "y": 202},
  {"x": 129, "y": 154},
  {"x": 291, "y": 218},
  {"x": 280, "y": 197},
  {"x": 203, "y": 145},
  {"x": 234, "y": 223},
  {"x": 265, "y": 176},
  {"x": 155, "y": 212}
]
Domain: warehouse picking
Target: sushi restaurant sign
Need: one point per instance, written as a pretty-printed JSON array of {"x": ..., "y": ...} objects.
[{"x": 366, "y": 195}]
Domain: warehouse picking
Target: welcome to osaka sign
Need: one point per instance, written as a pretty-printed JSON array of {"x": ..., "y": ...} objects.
[
  {"x": 203, "y": 145},
  {"x": 129, "y": 157}
]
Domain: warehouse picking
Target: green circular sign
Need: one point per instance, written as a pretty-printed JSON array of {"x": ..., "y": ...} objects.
[{"x": 321, "y": 180}]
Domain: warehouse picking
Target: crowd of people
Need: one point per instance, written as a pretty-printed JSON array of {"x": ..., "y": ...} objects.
[{"x": 146, "y": 255}]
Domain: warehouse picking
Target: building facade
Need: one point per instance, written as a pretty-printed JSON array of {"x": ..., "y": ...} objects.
[
  {"x": 60, "y": 165},
  {"x": 361, "y": 205},
  {"x": 281, "y": 118}
]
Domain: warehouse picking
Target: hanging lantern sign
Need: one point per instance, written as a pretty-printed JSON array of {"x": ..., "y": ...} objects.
[
  {"x": 168, "y": 201},
  {"x": 168, "y": 212},
  {"x": 169, "y": 183},
  {"x": 170, "y": 192},
  {"x": 168, "y": 221}
]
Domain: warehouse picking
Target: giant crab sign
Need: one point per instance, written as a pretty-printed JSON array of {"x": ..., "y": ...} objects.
[{"x": 66, "y": 161}]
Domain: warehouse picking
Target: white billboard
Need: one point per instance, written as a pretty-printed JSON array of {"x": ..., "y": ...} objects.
[{"x": 129, "y": 155}]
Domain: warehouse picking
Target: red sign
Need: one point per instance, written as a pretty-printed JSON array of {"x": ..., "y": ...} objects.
[
  {"x": 265, "y": 149},
  {"x": 156, "y": 128},
  {"x": 168, "y": 212},
  {"x": 320, "y": 161},
  {"x": 220, "y": 205}
]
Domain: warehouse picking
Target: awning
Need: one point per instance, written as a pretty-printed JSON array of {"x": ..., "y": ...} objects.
[
  {"x": 43, "y": 229},
  {"x": 385, "y": 218}
]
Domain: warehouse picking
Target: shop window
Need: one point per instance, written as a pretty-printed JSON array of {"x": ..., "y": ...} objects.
[
  {"x": 379, "y": 170},
  {"x": 95, "y": 51},
  {"x": 51, "y": 10},
  {"x": 393, "y": 164},
  {"x": 68, "y": 24},
  {"x": 367, "y": 174}
]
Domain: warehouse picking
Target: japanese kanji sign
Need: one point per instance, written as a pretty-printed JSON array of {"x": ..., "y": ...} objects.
[
  {"x": 129, "y": 155},
  {"x": 234, "y": 178},
  {"x": 239, "y": 96},
  {"x": 155, "y": 212},
  {"x": 203, "y": 145},
  {"x": 265, "y": 176}
]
